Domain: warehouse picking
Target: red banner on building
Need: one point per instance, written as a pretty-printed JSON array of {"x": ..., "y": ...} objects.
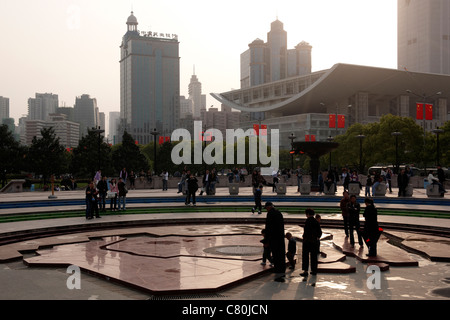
[
  {"x": 263, "y": 130},
  {"x": 428, "y": 112},
  {"x": 161, "y": 140},
  {"x": 306, "y": 137},
  {"x": 167, "y": 139},
  {"x": 419, "y": 111},
  {"x": 332, "y": 121},
  {"x": 256, "y": 128},
  {"x": 312, "y": 138},
  {"x": 341, "y": 121}
]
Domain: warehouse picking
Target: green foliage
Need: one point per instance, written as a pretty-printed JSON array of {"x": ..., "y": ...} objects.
[
  {"x": 46, "y": 156},
  {"x": 11, "y": 153},
  {"x": 128, "y": 155},
  {"x": 92, "y": 154}
]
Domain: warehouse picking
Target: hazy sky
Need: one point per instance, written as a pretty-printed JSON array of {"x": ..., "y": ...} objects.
[{"x": 71, "y": 47}]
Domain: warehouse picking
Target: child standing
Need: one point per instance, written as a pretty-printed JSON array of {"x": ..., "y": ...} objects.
[
  {"x": 292, "y": 250},
  {"x": 258, "y": 195},
  {"x": 266, "y": 253}
]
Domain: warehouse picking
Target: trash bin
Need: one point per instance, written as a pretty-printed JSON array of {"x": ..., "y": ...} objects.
[{"x": 425, "y": 183}]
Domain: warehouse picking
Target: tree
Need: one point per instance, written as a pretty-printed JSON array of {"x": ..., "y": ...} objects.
[
  {"x": 92, "y": 152},
  {"x": 11, "y": 153},
  {"x": 128, "y": 155},
  {"x": 46, "y": 156},
  {"x": 379, "y": 147}
]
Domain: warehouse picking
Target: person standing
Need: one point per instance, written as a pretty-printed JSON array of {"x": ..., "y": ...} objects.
[
  {"x": 90, "y": 199},
  {"x": 402, "y": 182},
  {"x": 97, "y": 177},
  {"x": 369, "y": 184},
  {"x": 102, "y": 187},
  {"x": 258, "y": 197},
  {"x": 165, "y": 179},
  {"x": 192, "y": 187},
  {"x": 206, "y": 181},
  {"x": 299, "y": 175},
  {"x": 354, "y": 209},
  {"x": 371, "y": 230},
  {"x": 389, "y": 179},
  {"x": 122, "y": 194},
  {"x": 115, "y": 190},
  {"x": 124, "y": 175},
  {"x": 276, "y": 239},
  {"x": 292, "y": 250},
  {"x": 311, "y": 239},
  {"x": 132, "y": 180},
  {"x": 344, "y": 209}
]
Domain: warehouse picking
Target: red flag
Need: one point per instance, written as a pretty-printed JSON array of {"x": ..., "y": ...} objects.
[
  {"x": 264, "y": 129},
  {"x": 428, "y": 112},
  {"x": 256, "y": 128},
  {"x": 341, "y": 121},
  {"x": 307, "y": 137},
  {"x": 161, "y": 140},
  {"x": 332, "y": 121},
  {"x": 136, "y": 142},
  {"x": 313, "y": 138},
  {"x": 419, "y": 111},
  {"x": 167, "y": 139}
]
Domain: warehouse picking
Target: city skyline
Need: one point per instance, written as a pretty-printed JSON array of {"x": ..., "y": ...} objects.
[{"x": 70, "y": 48}]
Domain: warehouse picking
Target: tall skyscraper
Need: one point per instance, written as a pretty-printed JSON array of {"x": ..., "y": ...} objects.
[
  {"x": 86, "y": 113},
  {"x": 272, "y": 61},
  {"x": 114, "y": 122},
  {"x": 195, "y": 94},
  {"x": 149, "y": 82},
  {"x": 4, "y": 108},
  {"x": 424, "y": 36},
  {"x": 42, "y": 105}
]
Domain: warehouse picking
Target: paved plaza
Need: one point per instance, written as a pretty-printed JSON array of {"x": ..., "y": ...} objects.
[{"x": 207, "y": 254}]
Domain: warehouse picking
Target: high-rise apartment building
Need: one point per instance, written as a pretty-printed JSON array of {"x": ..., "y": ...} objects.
[
  {"x": 4, "y": 108},
  {"x": 42, "y": 105},
  {"x": 149, "y": 82},
  {"x": 265, "y": 62},
  {"x": 424, "y": 36}
]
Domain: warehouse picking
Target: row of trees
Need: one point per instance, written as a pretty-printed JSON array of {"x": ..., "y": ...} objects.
[{"x": 46, "y": 156}]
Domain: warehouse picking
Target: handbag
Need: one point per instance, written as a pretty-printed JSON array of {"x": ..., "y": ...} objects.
[{"x": 111, "y": 194}]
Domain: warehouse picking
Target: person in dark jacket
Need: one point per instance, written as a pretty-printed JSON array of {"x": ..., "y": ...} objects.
[
  {"x": 354, "y": 209},
  {"x": 402, "y": 182},
  {"x": 258, "y": 196},
  {"x": 275, "y": 237},
  {"x": 192, "y": 187},
  {"x": 311, "y": 237},
  {"x": 292, "y": 250},
  {"x": 102, "y": 187},
  {"x": 371, "y": 232}
]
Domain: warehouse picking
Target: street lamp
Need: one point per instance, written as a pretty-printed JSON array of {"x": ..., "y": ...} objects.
[
  {"x": 330, "y": 139},
  {"x": 292, "y": 138},
  {"x": 154, "y": 133},
  {"x": 360, "y": 137},
  {"x": 437, "y": 131},
  {"x": 396, "y": 134}
]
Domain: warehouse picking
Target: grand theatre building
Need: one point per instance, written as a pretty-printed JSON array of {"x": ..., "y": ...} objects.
[{"x": 302, "y": 105}]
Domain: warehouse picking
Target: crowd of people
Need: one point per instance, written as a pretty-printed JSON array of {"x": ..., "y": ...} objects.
[{"x": 274, "y": 243}]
